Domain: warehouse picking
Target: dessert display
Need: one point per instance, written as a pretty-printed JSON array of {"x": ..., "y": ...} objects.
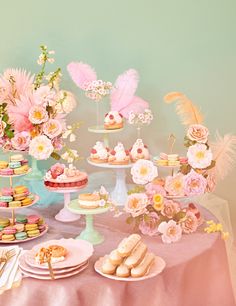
[
  {"x": 15, "y": 197},
  {"x": 113, "y": 120},
  {"x": 93, "y": 200},
  {"x": 59, "y": 176},
  {"x": 25, "y": 227},
  {"x": 171, "y": 160},
  {"x": 52, "y": 253},
  {"x": 139, "y": 151},
  {"x": 119, "y": 156},
  {"x": 99, "y": 153},
  {"x": 16, "y": 166},
  {"x": 130, "y": 259}
]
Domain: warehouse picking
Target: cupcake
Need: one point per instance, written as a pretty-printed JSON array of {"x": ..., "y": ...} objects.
[
  {"x": 119, "y": 156},
  {"x": 139, "y": 151},
  {"x": 99, "y": 153},
  {"x": 113, "y": 120}
]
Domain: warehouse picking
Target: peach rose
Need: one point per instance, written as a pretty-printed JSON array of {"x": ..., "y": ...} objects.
[
  {"x": 198, "y": 133},
  {"x": 136, "y": 204},
  {"x": 170, "y": 209},
  {"x": 190, "y": 223}
]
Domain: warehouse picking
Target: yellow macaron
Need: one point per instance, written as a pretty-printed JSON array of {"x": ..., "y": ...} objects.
[
  {"x": 3, "y": 164},
  {"x": 14, "y": 204},
  {"x": 21, "y": 170},
  {"x": 10, "y": 237},
  {"x": 31, "y": 227},
  {"x": 26, "y": 201},
  {"x": 33, "y": 233},
  {"x": 20, "y": 189}
]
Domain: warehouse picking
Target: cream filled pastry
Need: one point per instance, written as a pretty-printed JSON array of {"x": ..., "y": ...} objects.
[
  {"x": 119, "y": 156},
  {"x": 93, "y": 200},
  {"x": 113, "y": 120},
  {"x": 99, "y": 153},
  {"x": 53, "y": 253},
  {"x": 139, "y": 151}
]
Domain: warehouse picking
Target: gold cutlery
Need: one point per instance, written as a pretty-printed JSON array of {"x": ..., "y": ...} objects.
[
  {"x": 5, "y": 257},
  {"x": 50, "y": 268}
]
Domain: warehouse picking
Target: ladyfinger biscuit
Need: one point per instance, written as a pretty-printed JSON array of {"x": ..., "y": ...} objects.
[
  {"x": 128, "y": 244},
  {"x": 144, "y": 266},
  {"x": 122, "y": 271},
  {"x": 108, "y": 267},
  {"x": 115, "y": 258},
  {"x": 136, "y": 256}
]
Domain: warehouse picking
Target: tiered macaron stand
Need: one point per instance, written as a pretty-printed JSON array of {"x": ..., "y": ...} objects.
[
  {"x": 64, "y": 215},
  {"x": 89, "y": 233},
  {"x": 12, "y": 209}
]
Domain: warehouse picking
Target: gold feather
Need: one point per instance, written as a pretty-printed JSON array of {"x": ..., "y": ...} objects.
[{"x": 188, "y": 112}]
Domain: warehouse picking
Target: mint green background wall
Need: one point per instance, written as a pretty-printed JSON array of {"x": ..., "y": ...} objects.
[{"x": 183, "y": 45}]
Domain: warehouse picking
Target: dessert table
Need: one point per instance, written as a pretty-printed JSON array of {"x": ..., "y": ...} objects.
[{"x": 196, "y": 274}]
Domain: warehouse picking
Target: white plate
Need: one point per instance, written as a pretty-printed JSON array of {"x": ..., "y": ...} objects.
[
  {"x": 78, "y": 252},
  {"x": 109, "y": 166},
  {"x": 156, "y": 268},
  {"x": 58, "y": 276},
  {"x": 16, "y": 175},
  {"x": 25, "y": 267}
]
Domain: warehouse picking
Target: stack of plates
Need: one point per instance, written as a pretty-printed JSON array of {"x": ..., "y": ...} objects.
[{"x": 77, "y": 259}]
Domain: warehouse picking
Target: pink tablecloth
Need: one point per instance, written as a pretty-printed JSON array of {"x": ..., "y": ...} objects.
[{"x": 197, "y": 272}]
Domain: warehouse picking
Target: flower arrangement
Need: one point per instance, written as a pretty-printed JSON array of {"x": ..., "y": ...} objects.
[
  {"x": 152, "y": 212},
  {"x": 140, "y": 119},
  {"x": 33, "y": 111}
]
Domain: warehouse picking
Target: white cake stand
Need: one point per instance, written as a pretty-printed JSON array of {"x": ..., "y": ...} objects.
[
  {"x": 64, "y": 215},
  {"x": 101, "y": 130},
  {"x": 119, "y": 193}
]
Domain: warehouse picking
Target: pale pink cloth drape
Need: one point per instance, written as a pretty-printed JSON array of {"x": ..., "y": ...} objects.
[{"x": 197, "y": 273}]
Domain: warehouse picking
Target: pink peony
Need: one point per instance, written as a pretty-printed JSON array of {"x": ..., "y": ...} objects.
[
  {"x": 198, "y": 133},
  {"x": 52, "y": 128},
  {"x": 44, "y": 96},
  {"x": 170, "y": 209},
  {"x": 149, "y": 227},
  {"x": 21, "y": 141},
  {"x": 2, "y": 127},
  {"x": 174, "y": 185},
  {"x": 41, "y": 147},
  {"x": 136, "y": 204},
  {"x": 194, "y": 184},
  {"x": 199, "y": 157},
  {"x": 171, "y": 231},
  {"x": 152, "y": 189},
  {"x": 57, "y": 170},
  {"x": 38, "y": 114},
  {"x": 190, "y": 223},
  {"x": 143, "y": 172},
  {"x": 58, "y": 143}
]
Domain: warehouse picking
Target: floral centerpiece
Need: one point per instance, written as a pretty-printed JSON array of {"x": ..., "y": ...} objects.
[{"x": 33, "y": 111}]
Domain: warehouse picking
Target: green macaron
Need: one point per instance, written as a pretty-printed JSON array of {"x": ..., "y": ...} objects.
[
  {"x": 21, "y": 236},
  {"x": 14, "y": 164},
  {"x": 21, "y": 219},
  {"x": 6, "y": 199}
]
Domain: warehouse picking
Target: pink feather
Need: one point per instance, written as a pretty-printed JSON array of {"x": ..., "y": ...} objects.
[
  {"x": 81, "y": 73},
  {"x": 137, "y": 105},
  {"x": 124, "y": 90}
]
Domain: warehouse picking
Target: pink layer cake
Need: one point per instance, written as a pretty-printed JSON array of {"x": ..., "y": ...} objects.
[{"x": 58, "y": 176}]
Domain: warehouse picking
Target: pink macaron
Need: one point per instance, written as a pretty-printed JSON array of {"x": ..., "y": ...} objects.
[
  {"x": 7, "y": 191},
  {"x": 24, "y": 162},
  {"x": 6, "y": 171},
  {"x": 3, "y": 204},
  {"x": 42, "y": 227},
  {"x": 183, "y": 160},
  {"x": 32, "y": 219},
  {"x": 9, "y": 230},
  {"x": 163, "y": 156}
]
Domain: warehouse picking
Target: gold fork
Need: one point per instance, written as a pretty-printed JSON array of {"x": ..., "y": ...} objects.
[{"x": 5, "y": 258}]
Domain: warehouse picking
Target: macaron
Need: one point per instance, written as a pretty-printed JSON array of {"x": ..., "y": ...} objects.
[
  {"x": 21, "y": 170},
  {"x": 20, "y": 189},
  {"x": 163, "y": 155},
  {"x": 4, "y": 222},
  {"x": 1, "y": 235},
  {"x": 6, "y": 237},
  {"x": 183, "y": 160},
  {"x": 6, "y": 191},
  {"x": 6, "y": 198},
  {"x": 26, "y": 201},
  {"x": 173, "y": 157},
  {"x": 19, "y": 227},
  {"x": 17, "y": 157},
  {"x": 3, "y": 204},
  {"x": 41, "y": 221},
  {"x": 42, "y": 227},
  {"x": 3, "y": 164},
  {"x": 9, "y": 230},
  {"x": 14, "y": 164},
  {"x": 32, "y": 219},
  {"x": 20, "y": 197},
  {"x": 1, "y": 228},
  {"x": 21, "y": 219},
  {"x": 6, "y": 171},
  {"x": 173, "y": 163},
  {"x": 14, "y": 204},
  {"x": 31, "y": 227},
  {"x": 21, "y": 236},
  {"x": 162, "y": 162},
  {"x": 33, "y": 233},
  {"x": 24, "y": 162}
]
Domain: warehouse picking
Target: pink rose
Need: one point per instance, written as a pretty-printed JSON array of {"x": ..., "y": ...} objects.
[
  {"x": 198, "y": 133},
  {"x": 190, "y": 223},
  {"x": 57, "y": 143},
  {"x": 152, "y": 189},
  {"x": 171, "y": 231},
  {"x": 2, "y": 128},
  {"x": 52, "y": 128},
  {"x": 149, "y": 227},
  {"x": 21, "y": 141},
  {"x": 57, "y": 170},
  {"x": 170, "y": 209},
  {"x": 194, "y": 184},
  {"x": 136, "y": 204}
]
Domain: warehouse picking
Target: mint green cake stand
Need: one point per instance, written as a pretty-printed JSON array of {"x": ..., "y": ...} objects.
[{"x": 89, "y": 233}]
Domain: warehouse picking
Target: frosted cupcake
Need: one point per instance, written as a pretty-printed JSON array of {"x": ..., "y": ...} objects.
[
  {"x": 99, "y": 153},
  {"x": 139, "y": 151},
  {"x": 113, "y": 120},
  {"x": 119, "y": 156}
]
